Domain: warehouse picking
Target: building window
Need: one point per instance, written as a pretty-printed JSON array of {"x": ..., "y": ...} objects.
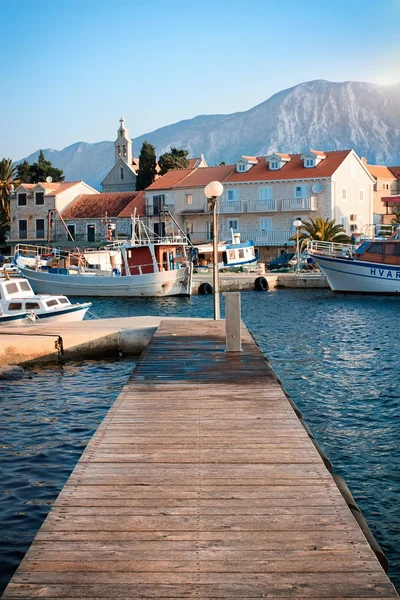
[
  {"x": 299, "y": 191},
  {"x": 124, "y": 150},
  {"x": 209, "y": 230},
  {"x": 385, "y": 186},
  {"x": 21, "y": 199},
  {"x": 233, "y": 224},
  {"x": 71, "y": 229},
  {"x": 91, "y": 233},
  {"x": 266, "y": 193},
  {"x": 344, "y": 194},
  {"x": 121, "y": 173},
  {"x": 274, "y": 165},
  {"x": 23, "y": 229},
  {"x": 39, "y": 229},
  {"x": 361, "y": 195},
  {"x": 309, "y": 162},
  {"x": 233, "y": 195},
  {"x": 265, "y": 225},
  {"x": 158, "y": 203},
  {"x": 241, "y": 167},
  {"x": 39, "y": 198},
  {"x": 189, "y": 227},
  {"x": 188, "y": 199},
  {"x": 119, "y": 150}
]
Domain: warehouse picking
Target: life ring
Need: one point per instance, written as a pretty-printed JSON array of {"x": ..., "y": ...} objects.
[
  {"x": 261, "y": 284},
  {"x": 205, "y": 289}
]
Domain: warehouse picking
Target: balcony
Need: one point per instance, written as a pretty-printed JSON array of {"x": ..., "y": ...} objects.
[
  {"x": 155, "y": 211},
  {"x": 231, "y": 206},
  {"x": 298, "y": 204},
  {"x": 265, "y": 237},
  {"x": 263, "y": 206}
]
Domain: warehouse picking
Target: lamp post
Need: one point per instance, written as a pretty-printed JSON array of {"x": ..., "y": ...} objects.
[
  {"x": 297, "y": 223},
  {"x": 213, "y": 191}
]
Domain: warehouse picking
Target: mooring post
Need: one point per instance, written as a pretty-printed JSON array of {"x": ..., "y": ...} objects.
[{"x": 232, "y": 322}]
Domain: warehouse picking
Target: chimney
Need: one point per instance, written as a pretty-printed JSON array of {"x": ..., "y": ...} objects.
[{"x": 364, "y": 160}]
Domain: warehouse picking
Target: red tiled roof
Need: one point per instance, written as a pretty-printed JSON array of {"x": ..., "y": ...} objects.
[
  {"x": 94, "y": 206},
  {"x": 395, "y": 171},
  {"x": 203, "y": 176},
  {"x": 293, "y": 169},
  {"x": 380, "y": 171},
  {"x": 170, "y": 179},
  {"x": 192, "y": 162},
  {"x": 138, "y": 202},
  {"x": 317, "y": 152},
  {"x": 253, "y": 157}
]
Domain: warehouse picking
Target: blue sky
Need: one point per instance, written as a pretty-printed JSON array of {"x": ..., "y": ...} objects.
[{"x": 72, "y": 68}]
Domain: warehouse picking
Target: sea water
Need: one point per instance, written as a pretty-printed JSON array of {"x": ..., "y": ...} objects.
[{"x": 337, "y": 355}]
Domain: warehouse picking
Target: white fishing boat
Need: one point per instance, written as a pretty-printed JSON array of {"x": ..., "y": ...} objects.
[
  {"x": 20, "y": 306},
  {"x": 372, "y": 267},
  {"x": 146, "y": 266},
  {"x": 231, "y": 254}
]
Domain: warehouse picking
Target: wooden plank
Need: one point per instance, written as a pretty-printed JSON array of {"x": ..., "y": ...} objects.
[{"x": 201, "y": 482}]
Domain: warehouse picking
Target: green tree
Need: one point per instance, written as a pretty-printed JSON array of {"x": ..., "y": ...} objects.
[
  {"x": 323, "y": 230},
  {"x": 23, "y": 172},
  {"x": 7, "y": 179},
  {"x": 175, "y": 159},
  {"x": 43, "y": 168},
  {"x": 39, "y": 171},
  {"x": 147, "y": 166}
]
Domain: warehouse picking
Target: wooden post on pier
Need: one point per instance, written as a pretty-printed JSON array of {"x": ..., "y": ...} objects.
[{"x": 233, "y": 322}]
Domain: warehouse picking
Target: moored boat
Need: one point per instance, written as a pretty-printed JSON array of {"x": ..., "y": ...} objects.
[
  {"x": 145, "y": 266},
  {"x": 372, "y": 267},
  {"x": 19, "y": 305},
  {"x": 231, "y": 254}
]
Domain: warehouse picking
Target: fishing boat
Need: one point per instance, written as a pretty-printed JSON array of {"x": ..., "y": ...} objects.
[
  {"x": 145, "y": 266},
  {"x": 371, "y": 267},
  {"x": 19, "y": 305},
  {"x": 231, "y": 254}
]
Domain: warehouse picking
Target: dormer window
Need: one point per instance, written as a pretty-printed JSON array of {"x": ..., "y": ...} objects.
[
  {"x": 312, "y": 158},
  {"x": 277, "y": 160},
  {"x": 241, "y": 167},
  {"x": 245, "y": 163}
]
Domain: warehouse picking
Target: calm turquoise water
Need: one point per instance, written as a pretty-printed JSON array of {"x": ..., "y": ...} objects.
[{"x": 338, "y": 357}]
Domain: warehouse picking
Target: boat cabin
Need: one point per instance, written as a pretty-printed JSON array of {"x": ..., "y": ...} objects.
[
  {"x": 17, "y": 295},
  {"x": 379, "y": 251},
  {"x": 155, "y": 258}
]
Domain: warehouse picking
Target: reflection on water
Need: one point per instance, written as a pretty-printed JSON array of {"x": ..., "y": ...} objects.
[
  {"x": 46, "y": 420},
  {"x": 337, "y": 356}
]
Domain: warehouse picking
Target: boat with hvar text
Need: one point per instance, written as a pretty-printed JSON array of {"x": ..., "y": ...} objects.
[{"x": 372, "y": 267}]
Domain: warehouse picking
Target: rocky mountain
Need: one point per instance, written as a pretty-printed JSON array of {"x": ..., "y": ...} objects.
[{"x": 316, "y": 114}]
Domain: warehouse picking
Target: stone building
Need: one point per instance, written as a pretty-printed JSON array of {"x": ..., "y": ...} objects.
[
  {"x": 263, "y": 196},
  {"x": 96, "y": 219},
  {"x": 34, "y": 209}
]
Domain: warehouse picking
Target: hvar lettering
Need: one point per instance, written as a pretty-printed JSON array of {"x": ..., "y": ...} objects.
[{"x": 381, "y": 273}]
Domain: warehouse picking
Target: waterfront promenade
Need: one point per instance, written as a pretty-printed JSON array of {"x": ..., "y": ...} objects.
[{"x": 201, "y": 482}]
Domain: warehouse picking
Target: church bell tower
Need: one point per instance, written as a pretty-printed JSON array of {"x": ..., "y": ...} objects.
[{"x": 123, "y": 144}]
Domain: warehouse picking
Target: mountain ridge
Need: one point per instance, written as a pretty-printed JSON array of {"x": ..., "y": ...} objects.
[{"x": 314, "y": 114}]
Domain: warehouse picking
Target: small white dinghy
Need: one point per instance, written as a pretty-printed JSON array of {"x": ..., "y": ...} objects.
[{"x": 20, "y": 305}]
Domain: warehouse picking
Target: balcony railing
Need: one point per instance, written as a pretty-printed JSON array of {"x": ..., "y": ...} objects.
[
  {"x": 264, "y": 206},
  {"x": 155, "y": 211},
  {"x": 296, "y": 204},
  {"x": 266, "y": 237},
  {"x": 231, "y": 206}
]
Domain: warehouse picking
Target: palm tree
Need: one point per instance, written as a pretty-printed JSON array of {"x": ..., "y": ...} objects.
[
  {"x": 7, "y": 178},
  {"x": 323, "y": 230}
]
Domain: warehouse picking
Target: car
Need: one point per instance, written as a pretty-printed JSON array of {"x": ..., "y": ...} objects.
[{"x": 282, "y": 262}]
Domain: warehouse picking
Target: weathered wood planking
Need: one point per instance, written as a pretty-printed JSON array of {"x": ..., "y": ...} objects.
[{"x": 200, "y": 482}]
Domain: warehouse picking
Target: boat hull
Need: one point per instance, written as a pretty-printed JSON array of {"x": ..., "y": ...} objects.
[
  {"x": 356, "y": 276},
  {"x": 168, "y": 283},
  {"x": 71, "y": 314},
  {"x": 13, "y": 320}
]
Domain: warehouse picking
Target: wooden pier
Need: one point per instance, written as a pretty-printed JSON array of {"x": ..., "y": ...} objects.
[{"x": 201, "y": 482}]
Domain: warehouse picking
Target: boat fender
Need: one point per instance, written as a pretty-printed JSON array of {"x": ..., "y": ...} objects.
[
  {"x": 324, "y": 457},
  {"x": 205, "y": 289},
  {"x": 261, "y": 284},
  {"x": 346, "y": 493},
  {"x": 306, "y": 427},
  {"x": 375, "y": 547}
]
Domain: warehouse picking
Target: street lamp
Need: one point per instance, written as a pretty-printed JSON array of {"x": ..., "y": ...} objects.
[
  {"x": 297, "y": 223},
  {"x": 213, "y": 191}
]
